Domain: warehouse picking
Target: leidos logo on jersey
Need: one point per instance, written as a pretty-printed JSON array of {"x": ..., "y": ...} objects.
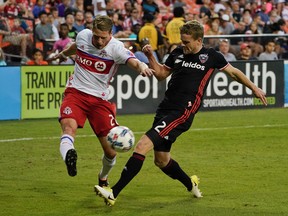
[{"x": 193, "y": 65}]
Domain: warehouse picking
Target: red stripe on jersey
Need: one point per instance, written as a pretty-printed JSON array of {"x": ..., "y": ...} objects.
[
  {"x": 200, "y": 92},
  {"x": 93, "y": 63},
  {"x": 194, "y": 108}
]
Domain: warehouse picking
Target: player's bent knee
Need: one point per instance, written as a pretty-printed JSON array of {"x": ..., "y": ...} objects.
[
  {"x": 159, "y": 163},
  {"x": 144, "y": 145}
]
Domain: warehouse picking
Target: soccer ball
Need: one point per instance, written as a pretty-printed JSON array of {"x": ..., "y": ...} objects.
[{"x": 121, "y": 138}]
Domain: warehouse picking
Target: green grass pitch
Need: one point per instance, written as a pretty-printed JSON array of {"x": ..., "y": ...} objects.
[{"x": 240, "y": 156}]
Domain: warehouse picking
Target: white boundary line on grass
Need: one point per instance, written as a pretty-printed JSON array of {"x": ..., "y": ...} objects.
[{"x": 142, "y": 132}]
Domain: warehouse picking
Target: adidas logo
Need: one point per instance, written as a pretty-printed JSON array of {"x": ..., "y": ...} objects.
[{"x": 177, "y": 61}]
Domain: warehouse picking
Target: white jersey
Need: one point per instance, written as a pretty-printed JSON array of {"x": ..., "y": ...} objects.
[{"x": 94, "y": 67}]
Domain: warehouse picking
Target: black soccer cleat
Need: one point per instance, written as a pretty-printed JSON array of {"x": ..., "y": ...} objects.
[{"x": 70, "y": 160}]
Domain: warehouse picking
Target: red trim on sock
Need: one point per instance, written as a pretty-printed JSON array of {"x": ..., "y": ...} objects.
[
  {"x": 168, "y": 165},
  {"x": 138, "y": 156}
]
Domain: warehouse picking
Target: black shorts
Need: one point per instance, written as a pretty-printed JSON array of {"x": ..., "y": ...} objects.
[{"x": 168, "y": 125}]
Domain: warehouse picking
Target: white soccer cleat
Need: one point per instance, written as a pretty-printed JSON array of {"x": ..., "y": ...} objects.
[
  {"x": 106, "y": 193},
  {"x": 195, "y": 190}
]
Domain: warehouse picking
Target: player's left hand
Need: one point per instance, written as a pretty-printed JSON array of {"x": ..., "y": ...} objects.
[{"x": 259, "y": 93}]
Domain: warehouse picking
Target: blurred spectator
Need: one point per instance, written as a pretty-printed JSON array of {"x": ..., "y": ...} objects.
[
  {"x": 262, "y": 12},
  {"x": 173, "y": 27},
  {"x": 64, "y": 8},
  {"x": 60, "y": 44},
  {"x": 88, "y": 6},
  {"x": 52, "y": 3},
  {"x": 69, "y": 20},
  {"x": 274, "y": 17},
  {"x": 56, "y": 19},
  {"x": 205, "y": 9},
  {"x": 180, "y": 3},
  {"x": 150, "y": 31},
  {"x": 140, "y": 54},
  {"x": 100, "y": 7},
  {"x": 16, "y": 28},
  {"x": 269, "y": 6},
  {"x": 246, "y": 52},
  {"x": 269, "y": 53},
  {"x": 260, "y": 24},
  {"x": 44, "y": 29},
  {"x": 133, "y": 19},
  {"x": 12, "y": 9},
  {"x": 247, "y": 17},
  {"x": 79, "y": 21},
  {"x": 284, "y": 12},
  {"x": 127, "y": 10},
  {"x": 88, "y": 19},
  {"x": 54, "y": 28},
  {"x": 213, "y": 30},
  {"x": 78, "y": 5},
  {"x": 219, "y": 5},
  {"x": 109, "y": 8},
  {"x": 13, "y": 38},
  {"x": 135, "y": 30},
  {"x": 150, "y": 7},
  {"x": 236, "y": 13},
  {"x": 117, "y": 29},
  {"x": 241, "y": 29},
  {"x": 226, "y": 26},
  {"x": 254, "y": 42},
  {"x": 37, "y": 58},
  {"x": 38, "y": 7},
  {"x": 162, "y": 26},
  {"x": 2, "y": 58},
  {"x": 272, "y": 24},
  {"x": 224, "y": 48},
  {"x": 283, "y": 26},
  {"x": 280, "y": 4}
]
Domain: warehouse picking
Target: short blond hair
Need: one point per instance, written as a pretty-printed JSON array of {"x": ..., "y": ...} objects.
[
  {"x": 193, "y": 28},
  {"x": 103, "y": 23}
]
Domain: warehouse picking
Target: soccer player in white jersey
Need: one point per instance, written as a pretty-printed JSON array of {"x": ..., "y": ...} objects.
[{"x": 98, "y": 56}]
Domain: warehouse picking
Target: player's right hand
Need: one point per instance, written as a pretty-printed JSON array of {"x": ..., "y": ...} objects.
[
  {"x": 57, "y": 56},
  {"x": 147, "y": 50}
]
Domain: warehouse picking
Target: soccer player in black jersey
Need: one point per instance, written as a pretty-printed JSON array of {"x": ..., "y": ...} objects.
[{"x": 190, "y": 66}]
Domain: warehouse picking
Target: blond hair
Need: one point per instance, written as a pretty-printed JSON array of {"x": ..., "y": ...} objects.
[
  {"x": 103, "y": 23},
  {"x": 193, "y": 28}
]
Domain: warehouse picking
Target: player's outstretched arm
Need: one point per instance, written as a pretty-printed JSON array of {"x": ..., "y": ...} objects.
[
  {"x": 139, "y": 66},
  {"x": 161, "y": 72},
  {"x": 240, "y": 77},
  {"x": 63, "y": 55}
]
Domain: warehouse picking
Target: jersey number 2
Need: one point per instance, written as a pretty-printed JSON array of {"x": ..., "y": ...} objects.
[{"x": 163, "y": 125}]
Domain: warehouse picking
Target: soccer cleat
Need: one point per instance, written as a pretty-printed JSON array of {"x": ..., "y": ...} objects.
[
  {"x": 106, "y": 193},
  {"x": 70, "y": 160},
  {"x": 195, "y": 190},
  {"x": 102, "y": 183}
]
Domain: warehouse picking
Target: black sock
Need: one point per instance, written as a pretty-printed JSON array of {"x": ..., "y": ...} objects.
[
  {"x": 174, "y": 171},
  {"x": 132, "y": 167}
]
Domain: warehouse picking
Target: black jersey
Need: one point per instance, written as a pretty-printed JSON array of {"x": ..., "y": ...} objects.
[{"x": 190, "y": 76}]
